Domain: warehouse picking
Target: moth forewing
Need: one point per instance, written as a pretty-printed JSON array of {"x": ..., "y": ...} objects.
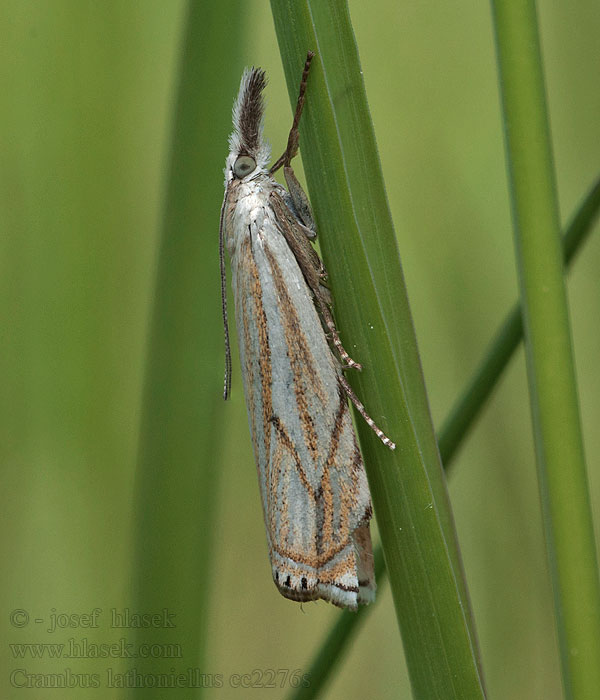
[
  {"x": 313, "y": 486},
  {"x": 314, "y": 491}
]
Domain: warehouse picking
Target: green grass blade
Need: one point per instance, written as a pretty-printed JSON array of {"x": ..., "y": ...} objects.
[
  {"x": 505, "y": 342},
  {"x": 176, "y": 476},
  {"x": 360, "y": 251},
  {"x": 553, "y": 394},
  {"x": 336, "y": 642},
  {"x": 453, "y": 432}
]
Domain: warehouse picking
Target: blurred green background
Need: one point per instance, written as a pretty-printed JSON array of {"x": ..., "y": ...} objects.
[{"x": 88, "y": 93}]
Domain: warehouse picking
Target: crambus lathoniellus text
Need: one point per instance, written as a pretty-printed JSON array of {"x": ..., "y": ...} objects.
[{"x": 314, "y": 490}]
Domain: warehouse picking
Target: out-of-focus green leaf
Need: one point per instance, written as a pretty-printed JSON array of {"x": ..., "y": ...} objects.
[
  {"x": 562, "y": 474},
  {"x": 177, "y": 478}
]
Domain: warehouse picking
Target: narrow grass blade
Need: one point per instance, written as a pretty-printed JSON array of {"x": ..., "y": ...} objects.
[
  {"x": 506, "y": 340},
  {"x": 455, "y": 428},
  {"x": 552, "y": 386},
  {"x": 179, "y": 441},
  {"x": 360, "y": 251}
]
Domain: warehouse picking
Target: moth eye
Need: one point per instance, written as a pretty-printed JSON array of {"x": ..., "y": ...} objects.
[{"x": 243, "y": 166}]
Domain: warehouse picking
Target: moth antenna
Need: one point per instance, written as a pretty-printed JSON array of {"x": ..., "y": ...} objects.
[{"x": 227, "y": 380}]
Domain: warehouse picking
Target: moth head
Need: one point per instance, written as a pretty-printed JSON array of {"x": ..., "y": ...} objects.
[{"x": 249, "y": 153}]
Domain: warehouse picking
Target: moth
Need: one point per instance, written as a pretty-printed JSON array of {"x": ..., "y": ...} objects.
[{"x": 315, "y": 496}]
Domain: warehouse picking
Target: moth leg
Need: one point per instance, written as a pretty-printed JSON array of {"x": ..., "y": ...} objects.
[
  {"x": 301, "y": 203},
  {"x": 347, "y": 361},
  {"x": 295, "y": 235},
  {"x": 298, "y": 197},
  {"x": 363, "y": 412},
  {"x": 293, "y": 138},
  {"x": 312, "y": 269},
  {"x": 298, "y": 226}
]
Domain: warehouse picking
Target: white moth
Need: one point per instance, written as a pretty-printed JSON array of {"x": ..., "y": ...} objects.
[{"x": 314, "y": 490}]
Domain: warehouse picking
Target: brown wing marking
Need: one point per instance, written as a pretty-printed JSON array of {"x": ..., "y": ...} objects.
[
  {"x": 312, "y": 269},
  {"x": 300, "y": 356},
  {"x": 325, "y": 541},
  {"x": 258, "y": 316},
  {"x": 332, "y": 541}
]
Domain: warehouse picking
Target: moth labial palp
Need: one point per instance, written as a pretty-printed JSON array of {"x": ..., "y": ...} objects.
[{"x": 314, "y": 490}]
